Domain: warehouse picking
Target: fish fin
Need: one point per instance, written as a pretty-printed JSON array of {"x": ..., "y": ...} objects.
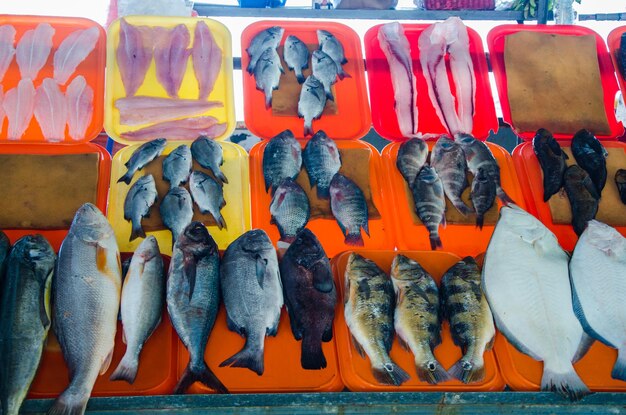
[
  {"x": 568, "y": 385},
  {"x": 268, "y": 100},
  {"x": 435, "y": 242},
  {"x": 204, "y": 375},
  {"x": 432, "y": 372},
  {"x": 443, "y": 222},
  {"x": 127, "y": 369},
  {"x": 403, "y": 343},
  {"x": 137, "y": 232},
  {"x": 67, "y": 405},
  {"x": 354, "y": 239},
  {"x": 463, "y": 208},
  {"x": 308, "y": 130},
  {"x": 101, "y": 258},
  {"x": 272, "y": 221},
  {"x": 106, "y": 362},
  {"x": 358, "y": 347},
  {"x": 480, "y": 221},
  {"x": 468, "y": 371},
  {"x": 124, "y": 337},
  {"x": 586, "y": 342},
  {"x": 619, "y": 369},
  {"x": 390, "y": 374},
  {"x": 300, "y": 78},
  {"x": 328, "y": 333},
  {"x": 261, "y": 268},
  {"x": 221, "y": 176},
  {"x": 126, "y": 178},
  {"x": 366, "y": 227},
  {"x": 312, "y": 354},
  {"x": 189, "y": 268},
  {"x": 580, "y": 314},
  {"x": 248, "y": 358},
  {"x": 344, "y": 61},
  {"x": 504, "y": 198},
  {"x": 329, "y": 95},
  {"x": 43, "y": 310},
  {"x": 221, "y": 222},
  {"x": 322, "y": 277}
]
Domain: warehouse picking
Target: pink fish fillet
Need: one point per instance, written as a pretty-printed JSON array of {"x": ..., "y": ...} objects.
[
  {"x": 2, "y": 114},
  {"x": 33, "y": 50},
  {"x": 7, "y": 48},
  {"x": 133, "y": 57},
  {"x": 18, "y": 105},
  {"x": 79, "y": 99},
  {"x": 142, "y": 110},
  {"x": 171, "y": 56},
  {"x": 51, "y": 110},
  {"x": 207, "y": 59},
  {"x": 397, "y": 50},
  {"x": 72, "y": 51},
  {"x": 184, "y": 129}
]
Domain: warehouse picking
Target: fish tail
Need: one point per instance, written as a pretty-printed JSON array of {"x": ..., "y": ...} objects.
[
  {"x": 199, "y": 374},
  {"x": 126, "y": 178},
  {"x": 221, "y": 222},
  {"x": 69, "y": 404},
  {"x": 323, "y": 192},
  {"x": 248, "y": 357},
  {"x": 137, "y": 232},
  {"x": 308, "y": 129},
  {"x": 268, "y": 100},
  {"x": 619, "y": 370},
  {"x": 435, "y": 242},
  {"x": 504, "y": 198},
  {"x": 568, "y": 384},
  {"x": 221, "y": 176},
  {"x": 480, "y": 220},
  {"x": 354, "y": 239},
  {"x": 390, "y": 374},
  {"x": 431, "y": 371},
  {"x": 462, "y": 208},
  {"x": 312, "y": 354},
  {"x": 343, "y": 74},
  {"x": 127, "y": 369},
  {"x": 329, "y": 95},
  {"x": 467, "y": 370},
  {"x": 300, "y": 78}
]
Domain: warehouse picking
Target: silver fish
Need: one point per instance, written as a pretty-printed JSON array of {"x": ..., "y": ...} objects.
[
  {"x": 177, "y": 166},
  {"x": 296, "y": 56},
  {"x": 143, "y": 155},
  {"x": 430, "y": 203},
  {"x": 139, "y": 199},
  {"x": 322, "y": 161},
  {"x": 267, "y": 74},
  {"x": 412, "y": 156},
  {"x": 290, "y": 210},
  {"x": 268, "y": 38},
  {"x": 282, "y": 159},
  {"x": 176, "y": 210},
  {"x": 208, "y": 154},
  {"x": 349, "y": 207},
  {"x": 448, "y": 159},
  {"x": 333, "y": 48},
  {"x": 208, "y": 195},
  {"x": 324, "y": 69},
  {"x": 311, "y": 103}
]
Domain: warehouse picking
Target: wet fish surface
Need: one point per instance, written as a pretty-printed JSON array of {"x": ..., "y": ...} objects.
[
  {"x": 206, "y": 56},
  {"x": 51, "y": 110},
  {"x": 290, "y": 210},
  {"x": 208, "y": 154},
  {"x": 582, "y": 196},
  {"x": 176, "y": 210},
  {"x": 33, "y": 49},
  {"x": 268, "y": 38},
  {"x": 483, "y": 194},
  {"x": 181, "y": 129},
  {"x": 430, "y": 203},
  {"x": 448, "y": 160},
  {"x": 591, "y": 156},
  {"x": 143, "y": 155},
  {"x": 296, "y": 56},
  {"x": 282, "y": 159},
  {"x": 79, "y": 99},
  {"x": 7, "y": 48},
  {"x": 311, "y": 103},
  {"x": 412, "y": 156},
  {"x": 73, "y": 51},
  {"x": 621, "y": 55},
  {"x": 325, "y": 70},
  {"x": 133, "y": 57},
  {"x": 349, "y": 207},
  {"x": 177, "y": 166},
  {"x": 5, "y": 247},
  {"x": 139, "y": 200},
  {"x": 331, "y": 46},
  {"x": 322, "y": 161},
  {"x": 19, "y": 105},
  {"x": 267, "y": 73},
  {"x": 620, "y": 181},
  {"x": 208, "y": 194},
  {"x": 552, "y": 160}
]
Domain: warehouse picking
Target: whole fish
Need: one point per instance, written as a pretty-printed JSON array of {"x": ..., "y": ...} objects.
[
  {"x": 591, "y": 156},
  {"x": 311, "y": 103},
  {"x": 471, "y": 321},
  {"x": 349, "y": 207},
  {"x": 296, "y": 56},
  {"x": 86, "y": 299},
  {"x": 143, "y": 297},
  {"x": 252, "y": 294},
  {"x": 526, "y": 282},
  {"x": 193, "y": 286},
  {"x": 310, "y": 296},
  {"x": 267, "y": 73},
  {"x": 143, "y": 155},
  {"x": 325, "y": 70},
  {"x": 620, "y": 181},
  {"x": 208, "y": 154},
  {"x": 177, "y": 166},
  {"x": 322, "y": 161},
  {"x": 412, "y": 156},
  {"x": 552, "y": 160},
  {"x": 139, "y": 200},
  {"x": 417, "y": 316},
  {"x": 582, "y": 196},
  {"x": 176, "y": 211},
  {"x": 333, "y": 48},
  {"x": 430, "y": 203},
  {"x": 368, "y": 310},
  {"x": 5, "y": 247},
  {"x": 282, "y": 159},
  {"x": 268, "y": 38},
  {"x": 483, "y": 194},
  {"x": 597, "y": 270},
  {"x": 208, "y": 195},
  {"x": 25, "y": 316},
  {"x": 448, "y": 159},
  {"x": 290, "y": 210}
]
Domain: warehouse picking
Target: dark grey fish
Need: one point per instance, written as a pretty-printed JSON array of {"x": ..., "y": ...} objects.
[
  {"x": 430, "y": 203},
  {"x": 282, "y": 159},
  {"x": 448, "y": 159},
  {"x": 5, "y": 246},
  {"x": 139, "y": 199},
  {"x": 324, "y": 69},
  {"x": 296, "y": 56},
  {"x": 483, "y": 194},
  {"x": 620, "y": 181},
  {"x": 143, "y": 155},
  {"x": 208, "y": 154},
  {"x": 177, "y": 166},
  {"x": 412, "y": 156},
  {"x": 311, "y": 103},
  {"x": 290, "y": 210},
  {"x": 176, "y": 211},
  {"x": 268, "y": 38},
  {"x": 552, "y": 160},
  {"x": 208, "y": 195},
  {"x": 583, "y": 197},
  {"x": 591, "y": 156},
  {"x": 267, "y": 74},
  {"x": 349, "y": 207},
  {"x": 621, "y": 55},
  {"x": 333, "y": 48},
  {"x": 322, "y": 161}
]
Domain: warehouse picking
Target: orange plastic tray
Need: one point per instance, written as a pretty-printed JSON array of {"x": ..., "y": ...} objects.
[
  {"x": 92, "y": 68},
  {"x": 352, "y": 120},
  {"x": 356, "y": 371},
  {"x": 327, "y": 230},
  {"x": 460, "y": 239},
  {"x": 612, "y": 42}
]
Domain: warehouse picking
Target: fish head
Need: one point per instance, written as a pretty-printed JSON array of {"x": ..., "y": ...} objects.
[
  {"x": 466, "y": 269},
  {"x": 286, "y": 135},
  {"x": 465, "y": 140},
  {"x": 90, "y": 225},
  {"x": 158, "y": 143},
  {"x": 256, "y": 241},
  {"x": 358, "y": 266},
  {"x": 404, "y": 268},
  {"x": 522, "y": 224},
  {"x": 603, "y": 237},
  {"x": 323, "y": 36},
  {"x": 292, "y": 42},
  {"x": 146, "y": 181},
  {"x": 307, "y": 245},
  {"x": 196, "y": 239},
  {"x": 541, "y": 138},
  {"x": 275, "y": 32},
  {"x": 340, "y": 185},
  {"x": 321, "y": 56},
  {"x": 148, "y": 249},
  {"x": 35, "y": 251},
  {"x": 312, "y": 83}
]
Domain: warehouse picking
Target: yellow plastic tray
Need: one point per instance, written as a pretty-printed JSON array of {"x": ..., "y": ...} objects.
[
  {"x": 222, "y": 91},
  {"x": 236, "y": 193}
]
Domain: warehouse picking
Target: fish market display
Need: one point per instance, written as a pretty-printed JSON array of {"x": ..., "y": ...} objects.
[
  {"x": 348, "y": 206},
  {"x": 462, "y": 69},
  {"x": 51, "y": 110},
  {"x": 322, "y": 161},
  {"x": 139, "y": 110},
  {"x": 208, "y": 154},
  {"x": 333, "y": 48},
  {"x": 33, "y": 49},
  {"x": 86, "y": 297},
  {"x": 72, "y": 51},
  {"x": 448, "y": 159},
  {"x": 177, "y": 166},
  {"x": 19, "y": 104},
  {"x": 412, "y": 156},
  {"x": 176, "y": 210},
  {"x": 483, "y": 195},
  {"x": 311, "y": 103},
  {"x": 591, "y": 156},
  {"x": 193, "y": 286},
  {"x": 252, "y": 294},
  {"x": 79, "y": 99},
  {"x": 139, "y": 200},
  {"x": 325, "y": 70},
  {"x": 397, "y": 50},
  {"x": 526, "y": 282},
  {"x": 369, "y": 313},
  {"x": 296, "y": 56},
  {"x": 552, "y": 160},
  {"x": 597, "y": 271},
  {"x": 170, "y": 56},
  {"x": 25, "y": 316},
  {"x": 208, "y": 195},
  {"x": 583, "y": 197},
  {"x": 620, "y": 181},
  {"x": 267, "y": 74},
  {"x": 430, "y": 203},
  {"x": 417, "y": 317},
  {"x": 471, "y": 321},
  {"x": 5, "y": 246},
  {"x": 143, "y": 155},
  {"x": 206, "y": 56},
  {"x": 133, "y": 57},
  {"x": 290, "y": 210},
  {"x": 267, "y": 39},
  {"x": 310, "y": 296},
  {"x": 282, "y": 159},
  {"x": 7, "y": 48},
  {"x": 143, "y": 297},
  {"x": 182, "y": 129}
]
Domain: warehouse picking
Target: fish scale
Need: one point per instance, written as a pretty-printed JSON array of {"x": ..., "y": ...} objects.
[
  {"x": 322, "y": 160},
  {"x": 282, "y": 159},
  {"x": 349, "y": 207},
  {"x": 290, "y": 210},
  {"x": 448, "y": 159}
]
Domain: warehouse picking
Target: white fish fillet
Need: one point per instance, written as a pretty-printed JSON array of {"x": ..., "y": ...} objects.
[
  {"x": 51, "y": 110},
  {"x": 79, "y": 99},
  {"x": 142, "y": 110},
  {"x": 72, "y": 51},
  {"x": 183, "y": 129},
  {"x": 7, "y": 48},
  {"x": 33, "y": 50},
  {"x": 18, "y": 105}
]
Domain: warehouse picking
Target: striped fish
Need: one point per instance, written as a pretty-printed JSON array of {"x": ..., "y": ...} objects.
[
  {"x": 448, "y": 160},
  {"x": 430, "y": 203}
]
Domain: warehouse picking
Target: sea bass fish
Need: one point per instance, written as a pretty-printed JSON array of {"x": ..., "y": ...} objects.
[
  {"x": 267, "y": 73},
  {"x": 139, "y": 200},
  {"x": 322, "y": 161},
  {"x": 582, "y": 196},
  {"x": 208, "y": 194},
  {"x": 591, "y": 156},
  {"x": 290, "y": 210},
  {"x": 143, "y": 155},
  {"x": 296, "y": 56},
  {"x": 282, "y": 159},
  {"x": 325, "y": 70},
  {"x": 134, "y": 55},
  {"x": 620, "y": 181},
  {"x": 430, "y": 203},
  {"x": 412, "y": 156},
  {"x": 448, "y": 159},
  {"x": 331, "y": 46},
  {"x": 483, "y": 195},
  {"x": 176, "y": 211},
  {"x": 268, "y": 38},
  {"x": 177, "y": 166},
  {"x": 311, "y": 103},
  {"x": 208, "y": 154},
  {"x": 349, "y": 207},
  {"x": 552, "y": 160}
]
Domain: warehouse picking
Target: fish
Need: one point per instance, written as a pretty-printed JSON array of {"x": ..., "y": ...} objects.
[
  {"x": 79, "y": 100},
  {"x": 208, "y": 154},
  {"x": 19, "y": 105},
  {"x": 331, "y": 46},
  {"x": 208, "y": 195},
  {"x": 140, "y": 198},
  {"x": 349, "y": 207},
  {"x": 621, "y": 55},
  {"x": 25, "y": 316},
  {"x": 139, "y": 110},
  {"x": 181, "y": 129},
  {"x": 591, "y": 156},
  {"x": 143, "y": 155},
  {"x": 417, "y": 316},
  {"x": 462, "y": 69},
  {"x": 369, "y": 302},
  {"x": 282, "y": 159},
  {"x": 397, "y": 50},
  {"x": 7, "y": 48},
  {"x": 176, "y": 211},
  {"x": 290, "y": 210},
  {"x": 322, "y": 160},
  {"x": 311, "y": 103},
  {"x": 267, "y": 73},
  {"x": 325, "y": 70},
  {"x": 412, "y": 156},
  {"x": 171, "y": 56},
  {"x": 582, "y": 196},
  {"x": 5, "y": 247},
  {"x": 177, "y": 166},
  {"x": 525, "y": 278},
  {"x": 252, "y": 294},
  {"x": 72, "y": 51},
  {"x": 51, "y": 110},
  {"x": 310, "y": 296},
  {"x": 296, "y": 56},
  {"x": 471, "y": 321},
  {"x": 597, "y": 270},
  {"x": 430, "y": 203},
  {"x": 33, "y": 49},
  {"x": 2, "y": 113},
  {"x": 552, "y": 160},
  {"x": 620, "y": 181},
  {"x": 483, "y": 194},
  {"x": 86, "y": 297},
  {"x": 192, "y": 295},
  {"x": 133, "y": 57},
  {"x": 267, "y": 39},
  {"x": 448, "y": 160},
  {"x": 143, "y": 298},
  {"x": 206, "y": 57}
]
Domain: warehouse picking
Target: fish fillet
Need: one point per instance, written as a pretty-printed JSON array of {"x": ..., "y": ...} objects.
[
  {"x": 72, "y": 51},
  {"x": 51, "y": 110},
  {"x": 79, "y": 98},
  {"x": 184, "y": 129},
  {"x": 33, "y": 50},
  {"x": 396, "y": 48},
  {"x": 171, "y": 55},
  {"x": 207, "y": 59},
  {"x": 142, "y": 110},
  {"x": 7, "y": 48},
  {"x": 133, "y": 57},
  {"x": 19, "y": 104}
]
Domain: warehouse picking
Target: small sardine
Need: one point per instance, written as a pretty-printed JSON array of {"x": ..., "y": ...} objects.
[
  {"x": 139, "y": 199},
  {"x": 143, "y": 155},
  {"x": 311, "y": 103},
  {"x": 349, "y": 207},
  {"x": 430, "y": 203},
  {"x": 176, "y": 210},
  {"x": 208, "y": 195},
  {"x": 296, "y": 56},
  {"x": 177, "y": 166},
  {"x": 322, "y": 161},
  {"x": 290, "y": 210},
  {"x": 208, "y": 154}
]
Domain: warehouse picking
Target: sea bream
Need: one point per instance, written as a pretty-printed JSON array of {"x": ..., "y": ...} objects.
[
  {"x": 430, "y": 203},
  {"x": 176, "y": 210},
  {"x": 142, "y": 155},
  {"x": 311, "y": 103},
  {"x": 267, "y": 73},
  {"x": 140, "y": 198},
  {"x": 412, "y": 156},
  {"x": 290, "y": 210},
  {"x": 208, "y": 194},
  {"x": 322, "y": 160},
  {"x": 591, "y": 155},
  {"x": 331, "y": 46},
  {"x": 448, "y": 159},
  {"x": 268, "y": 38},
  {"x": 582, "y": 196},
  {"x": 296, "y": 56},
  {"x": 325, "y": 70},
  {"x": 553, "y": 162},
  {"x": 209, "y": 154},
  {"x": 177, "y": 166},
  {"x": 349, "y": 207},
  {"x": 282, "y": 159}
]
